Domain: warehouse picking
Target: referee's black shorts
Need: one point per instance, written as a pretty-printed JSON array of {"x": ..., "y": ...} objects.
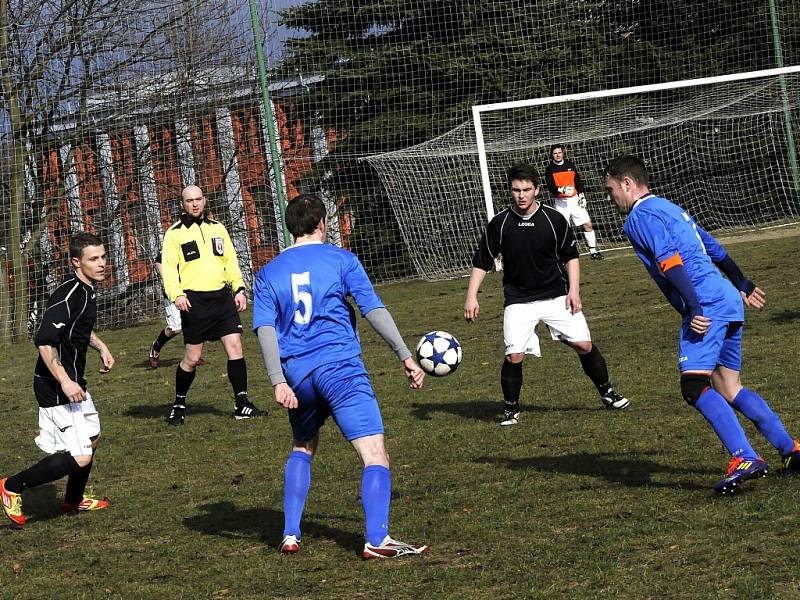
[{"x": 212, "y": 316}]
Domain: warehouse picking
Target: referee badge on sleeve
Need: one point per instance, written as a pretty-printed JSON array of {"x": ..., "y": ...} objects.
[{"x": 219, "y": 246}]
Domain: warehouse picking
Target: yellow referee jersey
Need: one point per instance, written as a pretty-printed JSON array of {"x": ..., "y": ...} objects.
[{"x": 198, "y": 255}]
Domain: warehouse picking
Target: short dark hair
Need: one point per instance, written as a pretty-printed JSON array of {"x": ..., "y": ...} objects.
[
  {"x": 522, "y": 172},
  {"x": 554, "y": 146},
  {"x": 79, "y": 241},
  {"x": 628, "y": 165},
  {"x": 304, "y": 214}
]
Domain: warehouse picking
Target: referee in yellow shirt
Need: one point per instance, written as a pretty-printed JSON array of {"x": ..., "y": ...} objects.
[{"x": 202, "y": 278}]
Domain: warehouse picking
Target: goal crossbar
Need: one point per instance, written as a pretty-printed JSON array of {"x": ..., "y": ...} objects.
[{"x": 481, "y": 108}]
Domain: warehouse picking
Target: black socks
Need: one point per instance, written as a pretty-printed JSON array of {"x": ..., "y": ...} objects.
[{"x": 511, "y": 383}]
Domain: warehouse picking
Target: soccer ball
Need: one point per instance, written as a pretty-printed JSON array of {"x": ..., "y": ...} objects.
[{"x": 438, "y": 353}]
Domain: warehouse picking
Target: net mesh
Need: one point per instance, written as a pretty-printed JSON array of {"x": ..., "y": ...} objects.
[
  {"x": 720, "y": 150},
  {"x": 109, "y": 108}
]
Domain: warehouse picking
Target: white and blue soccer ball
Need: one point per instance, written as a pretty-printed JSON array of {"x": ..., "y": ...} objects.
[{"x": 438, "y": 353}]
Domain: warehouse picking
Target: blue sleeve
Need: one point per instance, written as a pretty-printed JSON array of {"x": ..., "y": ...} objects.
[
  {"x": 680, "y": 280},
  {"x": 264, "y": 312},
  {"x": 358, "y": 285},
  {"x": 734, "y": 273},
  {"x": 725, "y": 263},
  {"x": 713, "y": 248},
  {"x": 652, "y": 234}
]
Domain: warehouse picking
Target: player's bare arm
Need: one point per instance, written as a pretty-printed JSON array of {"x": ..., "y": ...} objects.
[
  {"x": 471, "y": 306},
  {"x": 241, "y": 300},
  {"x": 574, "y": 304},
  {"x": 105, "y": 354},
  {"x": 183, "y": 304},
  {"x": 700, "y": 324},
  {"x": 284, "y": 395},
  {"x": 416, "y": 376},
  {"x": 756, "y": 299},
  {"x": 71, "y": 389}
]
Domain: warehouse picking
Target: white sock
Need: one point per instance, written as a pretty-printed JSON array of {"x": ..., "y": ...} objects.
[{"x": 591, "y": 241}]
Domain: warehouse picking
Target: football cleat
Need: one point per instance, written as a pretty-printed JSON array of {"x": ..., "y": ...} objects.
[
  {"x": 88, "y": 503},
  {"x": 177, "y": 415},
  {"x": 739, "y": 471},
  {"x": 510, "y": 417},
  {"x": 390, "y": 548},
  {"x": 596, "y": 256},
  {"x": 152, "y": 357},
  {"x": 613, "y": 400},
  {"x": 791, "y": 462},
  {"x": 290, "y": 544},
  {"x": 246, "y": 410},
  {"x": 12, "y": 504}
]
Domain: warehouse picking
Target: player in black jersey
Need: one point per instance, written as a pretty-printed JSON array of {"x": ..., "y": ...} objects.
[
  {"x": 541, "y": 282},
  {"x": 69, "y": 428}
]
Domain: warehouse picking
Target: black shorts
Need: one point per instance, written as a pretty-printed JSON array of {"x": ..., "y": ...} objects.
[{"x": 213, "y": 315}]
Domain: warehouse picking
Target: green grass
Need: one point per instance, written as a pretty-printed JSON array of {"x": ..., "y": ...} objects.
[{"x": 574, "y": 502}]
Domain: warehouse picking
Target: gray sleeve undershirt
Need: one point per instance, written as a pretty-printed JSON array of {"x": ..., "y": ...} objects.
[
  {"x": 268, "y": 340},
  {"x": 384, "y": 324},
  {"x": 379, "y": 318}
]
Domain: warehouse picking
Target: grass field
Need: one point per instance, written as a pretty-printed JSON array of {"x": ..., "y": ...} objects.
[{"x": 574, "y": 502}]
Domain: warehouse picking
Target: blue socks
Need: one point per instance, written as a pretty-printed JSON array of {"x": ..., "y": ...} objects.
[
  {"x": 376, "y": 494},
  {"x": 296, "y": 482},
  {"x": 755, "y": 408},
  {"x": 719, "y": 413}
]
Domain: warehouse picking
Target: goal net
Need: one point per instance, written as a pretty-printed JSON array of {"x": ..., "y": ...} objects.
[
  {"x": 722, "y": 147},
  {"x": 108, "y": 109}
]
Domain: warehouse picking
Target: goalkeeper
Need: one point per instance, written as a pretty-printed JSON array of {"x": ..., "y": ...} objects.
[{"x": 565, "y": 186}]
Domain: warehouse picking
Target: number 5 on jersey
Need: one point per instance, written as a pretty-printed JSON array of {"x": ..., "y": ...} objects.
[{"x": 302, "y": 298}]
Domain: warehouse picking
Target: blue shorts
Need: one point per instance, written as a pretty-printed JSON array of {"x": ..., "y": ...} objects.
[
  {"x": 721, "y": 345},
  {"x": 343, "y": 390}
]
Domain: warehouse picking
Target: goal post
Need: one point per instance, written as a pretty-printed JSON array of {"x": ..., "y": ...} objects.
[
  {"x": 720, "y": 146},
  {"x": 478, "y": 110}
]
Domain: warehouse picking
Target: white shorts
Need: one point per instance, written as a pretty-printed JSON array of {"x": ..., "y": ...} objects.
[
  {"x": 520, "y": 321},
  {"x": 173, "y": 316},
  {"x": 569, "y": 209},
  {"x": 68, "y": 428}
]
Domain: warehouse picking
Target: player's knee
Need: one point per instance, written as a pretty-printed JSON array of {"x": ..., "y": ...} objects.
[
  {"x": 306, "y": 446},
  {"x": 693, "y": 386},
  {"x": 83, "y": 460},
  {"x": 583, "y": 347},
  {"x": 516, "y": 357}
]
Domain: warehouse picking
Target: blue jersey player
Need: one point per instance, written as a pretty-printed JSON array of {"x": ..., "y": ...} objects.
[
  {"x": 307, "y": 333},
  {"x": 687, "y": 264}
]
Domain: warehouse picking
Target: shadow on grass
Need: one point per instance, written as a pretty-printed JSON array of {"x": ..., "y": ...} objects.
[
  {"x": 223, "y": 519},
  {"x": 146, "y": 411},
  {"x": 625, "y": 471},
  {"x": 163, "y": 363},
  {"x": 786, "y": 316},
  {"x": 41, "y": 503},
  {"x": 486, "y": 410}
]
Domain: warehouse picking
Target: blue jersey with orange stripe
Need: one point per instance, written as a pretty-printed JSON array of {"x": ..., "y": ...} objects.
[{"x": 664, "y": 235}]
